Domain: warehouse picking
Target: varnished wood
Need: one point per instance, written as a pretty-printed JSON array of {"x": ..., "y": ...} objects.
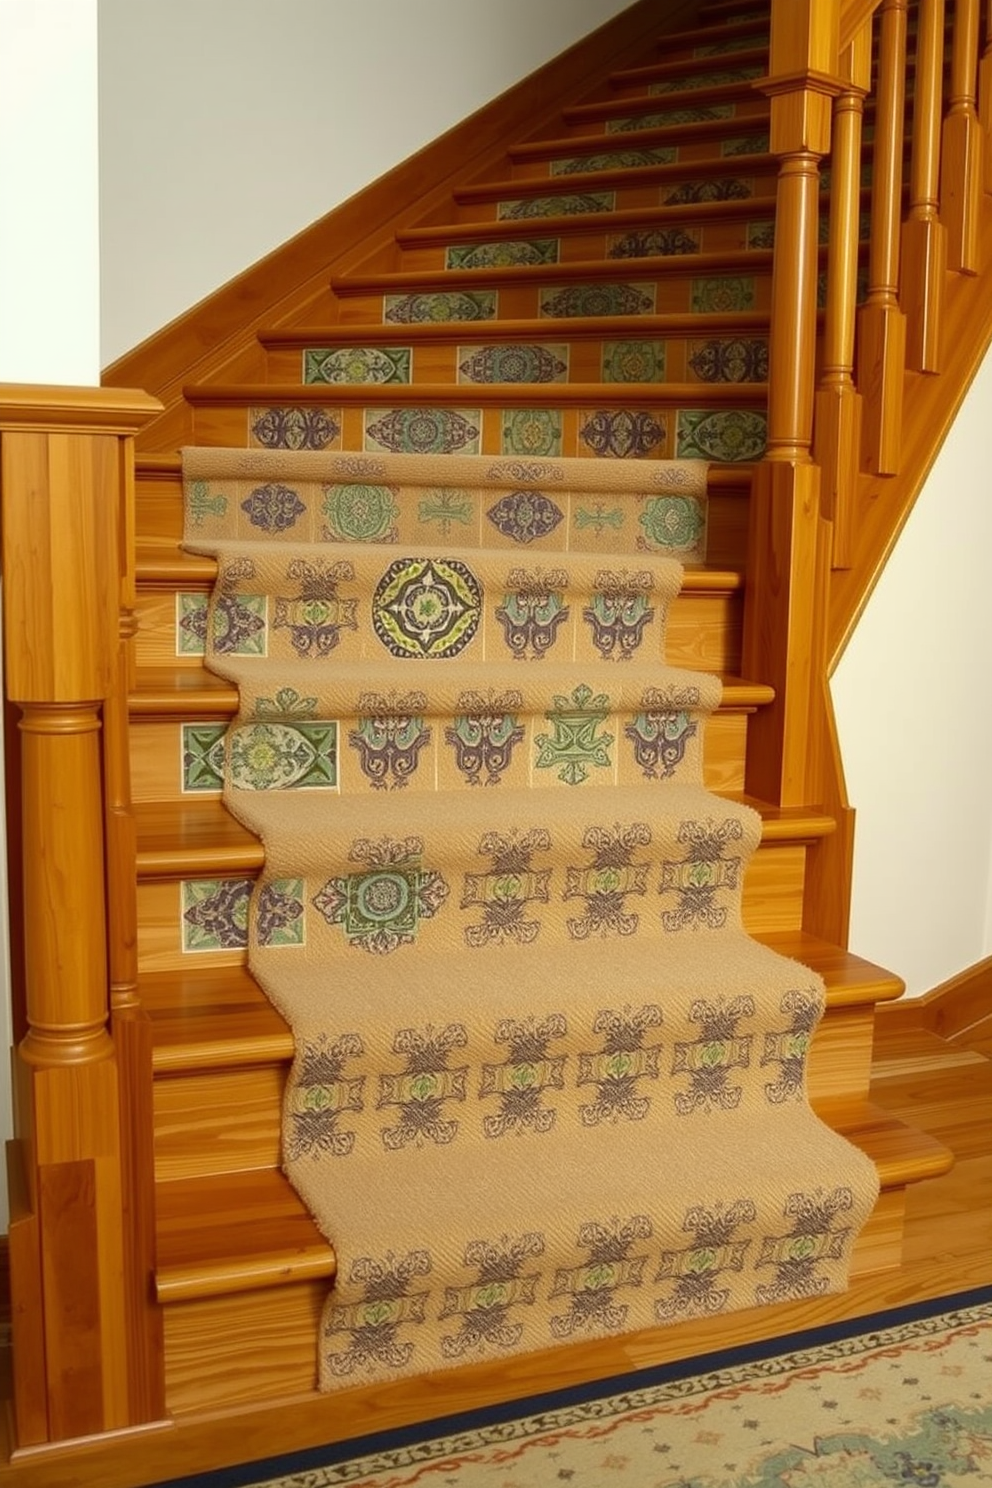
[
  {"x": 985, "y": 105},
  {"x": 924, "y": 236},
  {"x": 961, "y": 165}
]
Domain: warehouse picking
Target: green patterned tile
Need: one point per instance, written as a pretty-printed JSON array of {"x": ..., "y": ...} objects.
[
  {"x": 203, "y": 756},
  {"x": 447, "y": 509},
  {"x": 555, "y": 206},
  {"x": 214, "y": 914},
  {"x": 531, "y": 431},
  {"x": 418, "y": 309},
  {"x": 240, "y": 625},
  {"x": 357, "y": 364},
  {"x": 634, "y": 361},
  {"x": 191, "y": 624},
  {"x": 597, "y": 299},
  {"x": 670, "y": 117},
  {"x": 281, "y": 913},
  {"x": 282, "y": 754},
  {"x": 502, "y": 255},
  {"x": 693, "y": 81},
  {"x": 423, "y": 431},
  {"x": 545, "y": 362},
  {"x": 720, "y": 434},
  {"x": 614, "y": 160},
  {"x": 761, "y": 234},
  {"x": 731, "y": 44},
  {"x": 722, "y": 295},
  {"x": 745, "y": 144},
  {"x": 709, "y": 188},
  {"x": 655, "y": 242}
]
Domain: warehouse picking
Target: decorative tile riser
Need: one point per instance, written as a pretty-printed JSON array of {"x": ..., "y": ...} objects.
[
  {"x": 773, "y": 891},
  {"x": 682, "y": 292},
  {"x": 178, "y": 760},
  {"x": 636, "y": 429},
  {"x": 627, "y": 149},
  {"x": 580, "y": 244},
  {"x": 703, "y": 628},
  {"x": 754, "y": 179},
  {"x": 223, "y": 1353},
  {"x": 222, "y": 1121}
]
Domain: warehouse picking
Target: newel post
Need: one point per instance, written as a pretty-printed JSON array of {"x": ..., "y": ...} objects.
[
  {"x": 785, "y": 499},
  {"x": 64, "y": 455}
]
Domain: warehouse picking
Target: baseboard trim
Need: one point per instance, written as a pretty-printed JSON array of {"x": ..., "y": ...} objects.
[{"x": 957, "y": 1004}]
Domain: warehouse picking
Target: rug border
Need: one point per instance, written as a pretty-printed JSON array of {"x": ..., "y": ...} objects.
[{"x": 332, "y": 1454}]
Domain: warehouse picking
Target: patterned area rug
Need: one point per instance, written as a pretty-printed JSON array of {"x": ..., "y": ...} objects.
[
  {"x": 906, "y": 1400},
  {"x": 545, "y": 1086}
]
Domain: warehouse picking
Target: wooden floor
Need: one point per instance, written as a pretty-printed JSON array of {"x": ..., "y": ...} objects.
[{"x": 943, "y": 1087}]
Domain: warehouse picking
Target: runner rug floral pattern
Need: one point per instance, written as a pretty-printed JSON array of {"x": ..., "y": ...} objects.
[
  {"x": 908, "y": 1403},
  {"x": 545, "y": 1086}
]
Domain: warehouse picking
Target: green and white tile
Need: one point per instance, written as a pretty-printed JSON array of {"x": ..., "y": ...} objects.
[
  {"x": 357, "y": 364},
  {"x": 439, "y": 307},
  {"x": 213, "y": 914},
  {"x": 531, "y": 431},
  {"x": 724, "y": 435},
  {"x": 597, "y": 299},
  {"x": 634, "y": 361},
  {"x": 202, "y": 756},
  {"x": 722, "y": 294},
  {"x": 502, "y": 255},
  {"x": 543, "y": 362},
  {"x": 191, "y": 624},
  {"x": 423, "y": 431},
  {"x": 555, "y": 206},
  {"x": 614, "y": 160},
  {"x": 629, "y": 124}
]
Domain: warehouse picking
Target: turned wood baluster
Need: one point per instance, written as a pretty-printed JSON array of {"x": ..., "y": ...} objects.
[
  {"x": 784, "y": 510},
  {"x": 924, "y": 237},
  {"x": 985, "y": 101},
  {"x": 837, "y": 426},
  {"x": 961, "y": 163},
  {"x": 60, "y": 463},
  {"x": 881, "y": 327}
]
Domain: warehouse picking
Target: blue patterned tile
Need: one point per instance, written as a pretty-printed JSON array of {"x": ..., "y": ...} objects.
[
  {"x": 294, "y": 428},
  {"x": 513, "y": 363},
  {"x": 622, "y": 433}
]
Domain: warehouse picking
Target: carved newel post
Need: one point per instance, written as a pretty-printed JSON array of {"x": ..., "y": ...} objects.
[{"x": 65, "y": 464}]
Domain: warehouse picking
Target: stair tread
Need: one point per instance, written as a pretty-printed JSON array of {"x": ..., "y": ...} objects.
[
  {"x": 219, "y": 1017},
  {"x": 578, "y": 270},
  {"x": 555, "y": 393},
  {"x": 188, "y": 838},
  {"x": 579, "y": 113},
  {"x": 237, "y": 1231},
  {"x": 549, "y": 147},
  {"x": 679, "y": 66},
  {"x": 574, "y": 329}
]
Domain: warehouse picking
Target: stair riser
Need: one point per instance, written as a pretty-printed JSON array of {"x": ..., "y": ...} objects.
[
  {"x": 624, "y": 425},
  {"x": 773, "y": 893},
  {"x": 222, "y": 1121},
  {"x": 703, "y": 629},
  {"x": 551, "y": 356},
  {"x": 634, "y": 191},
  {"x": 164, "y": 757},
  {"x": 229, "y": 1351},
  {"x": 684, "y": 143}
]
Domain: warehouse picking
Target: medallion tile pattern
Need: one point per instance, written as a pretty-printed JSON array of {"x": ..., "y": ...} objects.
[
  {"x": 598, "y": 299},
  {"x": 420, "y": 309},
  {"x": 191, "y": 623},
  {"x": 523, "y": 516},
  {"x": 423, "y": 431},
  {"x": 664, "y": 119},
  {"x": 660, "y": 242},
  {"x": 514, "y": 362},
  {"x": 729, "y": 359},
  {"x": 283, "y": 755},
  {"x": 578, "y": 744},
  {"x": 722, "y": 294},
  {"x": 381, "y": 909},
  {"x": 202, "y": 756},
  {"x": 295, "y": 428},
  {"x": 691, "y": 82},
  {"x": 501, "y": 255},
  {"x": 426, "y": 608},
  {"x": 214, "y": 913},
  {"x": 709, "y": 189},
  {"x": 623, "y": 433},
  {"x": 357, "y": 364},
  {"x": 576, "y": 205},
  {"x": 531, "y": 431},
  {"x": 614, "y": 160},
  {"x": 634, "y": 361},
  {"x": 360, "y": 512},
  {"x": 725, "y": 434}
]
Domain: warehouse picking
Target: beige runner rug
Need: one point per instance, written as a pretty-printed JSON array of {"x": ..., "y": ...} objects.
[{"x": 545, "y": 1086}]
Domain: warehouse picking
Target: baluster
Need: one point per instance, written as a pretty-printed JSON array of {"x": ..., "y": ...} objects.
[
  {"x": 784, "y": 512},
  {"x": 837, "y": 426},
  {"x": 961, "y": 152},
  {"x": 924, "y": 237},
  {"x": 985, "y": 101},
  {"x": 881, "y": 327}
]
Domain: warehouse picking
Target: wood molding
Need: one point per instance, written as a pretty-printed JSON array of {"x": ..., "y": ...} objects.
[
  {"x": 212, "y": 333},
  {"x": 957, "y": 1004}
]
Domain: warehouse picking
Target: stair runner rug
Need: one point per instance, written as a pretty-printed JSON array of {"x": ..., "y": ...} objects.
[{"x": 545, "y": 1087}]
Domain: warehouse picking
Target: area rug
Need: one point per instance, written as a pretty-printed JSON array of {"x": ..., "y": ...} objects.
[
  {"x": 545, "y": 1086},
  {"x": 905, "y": 1400}
]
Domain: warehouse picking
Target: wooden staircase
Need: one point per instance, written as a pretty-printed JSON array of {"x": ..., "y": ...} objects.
[{"x": 602, "y": 281}]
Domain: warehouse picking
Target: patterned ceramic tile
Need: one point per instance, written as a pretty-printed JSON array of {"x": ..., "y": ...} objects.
[
  {"x": 214, "y": 913},
  {"x": 501, "y": 255},
  {"x": 513, "y": 363},
  {"x": 670, "y": 117},
  {"x": 447, "y": 510},
  {"x": 240, "y": 625},
  {"x": 729, "y": 359},
  {"x": 691, "y": 82},
  {"x": 423, "y": 431},
  {"x": 733, "y": 188},
  {"x": 761, "y": 235},
  {"x": 203, "y": 756},
  {"x": 531, "y": 431},
  {"x": 622, "y": 433},
  {"x": 284, "y": 754},
  {"x": 598, "y": 299},
  {"x": 745, "y": 144},
  {"x": 598, "y": 517},
  {"x": 721, "y": 295},
  {"x": 295, "y": 428},
  {"x": 671, "y": 524},
  {"x": 191, "y": 624},
  {"x": 360, "y": 511},
  {"x": 361, "y": 364},
  {"x": 633, "y": 361},
  {"x": 577, "y": 744},
  {"x": 614, "y": 160},
  {"x": 523, "y": 516},
  {"x": 555, "y": 206},
  {"x": 417, "y": 309},
  {"x": 731, "y": 44},
  {"x": 662, "y": 242},
  {"x": 724, "y": 434}
]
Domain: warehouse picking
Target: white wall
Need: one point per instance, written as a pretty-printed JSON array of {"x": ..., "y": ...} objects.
[
  {"x": 49, "y": 253},
  {"x": 913, "y": 694},
  {"x": 227, "y": 126}
]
